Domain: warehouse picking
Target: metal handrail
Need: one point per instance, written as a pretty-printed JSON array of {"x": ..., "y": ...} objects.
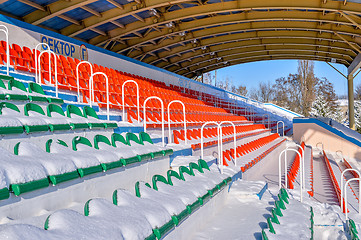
[
  {"x": 321, "y": 144},
  {"x": 107, "y": 89},
  {"x": 6, "y": 31},
  {"x": 184, "y": 121},
  {"x": 37, "y": 80},
  {"x": 234, "y": 140},
  {"x": 77, "y": 79},
  {"x": 130, "y": 81},
  {"x": 145, "y": 115},
  {"x": 359, "y": 197},
  {"x": 56, "y": 68},
  {"x": 303, "y": 164},
  {"x": 283, "y": 127},
  {"x": 342, "y": 177},
  {"x": 279, "y": 170},
  {"x": 219, "y": 149}
]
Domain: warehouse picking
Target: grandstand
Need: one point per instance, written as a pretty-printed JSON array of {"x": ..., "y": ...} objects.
[{"x": 104, "y": 135}]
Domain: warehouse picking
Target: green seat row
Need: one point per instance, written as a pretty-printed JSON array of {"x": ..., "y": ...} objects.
[{"x": 40, "y": 95}]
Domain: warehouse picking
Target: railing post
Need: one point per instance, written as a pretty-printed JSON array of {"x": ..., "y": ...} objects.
[
  {"x": 280, "y": 172},
  {"x": 51, "y": 53},
  {"x": 107, "y": 89},
  {"x": 145, "y": 115},
  {"x": 234, "y": 140},
  {"x": 184, "y": 121},
  {"x": 6, "y": 31},
  {"x": 359, "y": 197},
  {"x": 130, "y": 81},
  {"x": 342, "y": 177},
  {"x": 37, "y": 77},
  {"x": 303, "y": 164},
  {"x": 77, "y": 79},
  {"x": 283, "y": 125},
  {"x": 219, "y": 150}
]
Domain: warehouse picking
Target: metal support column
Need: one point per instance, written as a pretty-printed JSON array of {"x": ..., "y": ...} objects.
[{"x": 351, "y": 110}]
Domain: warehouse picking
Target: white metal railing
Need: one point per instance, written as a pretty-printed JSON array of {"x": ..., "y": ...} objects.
[
  {"x": 37, "y": 78},
  {"x": 302, "y": 160},
  {"x": 130, "y": 81},
  {"x": 107, "y": 89},
  {"x": 219, "y": 131},
  {"x": 6, "y": 31},
  {"x": 283, "y": 128},
  {"x": 286, "y": 166},
  {"x": 145, "y": 115},
  {"x": 321, "y": 144},
  {"x": 359, "y": 195},
  {"x": 184, "y": 121},
  {"x": 234, "y": 140},
  {"x": 339, "y": 151},
  {"x": 342, "y": 185},
  {"x": 77, "y": 79},
  {"x": 51, "y": 53}
]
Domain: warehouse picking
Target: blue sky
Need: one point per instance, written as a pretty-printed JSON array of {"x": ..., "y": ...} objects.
[{"x": 250, "y": 74}]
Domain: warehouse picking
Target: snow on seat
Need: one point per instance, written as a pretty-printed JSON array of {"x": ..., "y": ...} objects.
[
  {"x": 73, "y": 225},
  {"x": 9, "y": 125},
  {"x": 16, "y": 90},
  {"x": 37, "y": 92},
  {"x": 147, "y": 141},
  {"x": 158, "y": 217},
  {"x": 130, "y": 221},
  {"x": 78, "y": 121},
  {"x": 26, "y": 231},
  {"x": 22, "y": 175},
  {"x": 86, "y": 163},
  {"x": 55, "y": 123},
  {"x": 143, "y": 152},
  {"x": 130, "y": 153},
  {"x": 107, "y": 159},
  {"x": 59, "y": 168},
  {"x": 31, "y": 124},
  {"x": 175, "y": 207},
  {"x": 94, "y": 119}
]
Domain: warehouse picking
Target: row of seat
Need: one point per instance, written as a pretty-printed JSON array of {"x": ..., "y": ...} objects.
[
  {"x": 31, "y": 167},
  {"x": 295, "y": 167},
  {"x": 16, "y": 90},
  {"x": 282, "y": 217},
  {"x": 34, "y": 119},
  {"x": 154, "y": 211}
]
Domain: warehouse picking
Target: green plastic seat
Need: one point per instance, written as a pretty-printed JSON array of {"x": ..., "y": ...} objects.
[
  {"x": 132, "y": 137},
  {"x": 10, "y": 129},
  {"x": 20, "y": 86},
  {"x": 158, "y": 178},
  {"x": 51, "y": 108},
  {"x": 116, "y": 137},
  {"x": 71, "y": 109},
  {"x": 172, "y": 173},
  {"x": 194, "y": 166},
  {"x": 144, "y": 137},
  {"x": 137, "y": 190},
  {"x": 80, "y": 140},
  {"x": 183, "y": 170},
  {"x": 203, "y": 164},
  {"x": 4, "y": 193},
  {"x": 36, "y": 88},
  {"x": 2, "y": 85},
  {"x": 6, "y": 77},
  {"x": 90, "y": 112},
  {"x": 101, "y": 138},
  {"x": 35, "y": 108}
]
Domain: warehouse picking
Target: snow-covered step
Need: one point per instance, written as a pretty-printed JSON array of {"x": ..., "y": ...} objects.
[{"x": 249, "y": 189}]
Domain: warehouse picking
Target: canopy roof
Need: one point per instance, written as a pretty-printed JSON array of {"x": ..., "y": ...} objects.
[{"x": 191, "y": 37}]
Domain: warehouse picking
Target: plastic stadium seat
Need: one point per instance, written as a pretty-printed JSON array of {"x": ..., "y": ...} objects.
[
  {"x": 54, "y": 123},
  {"x": 59, "y": 168},
  {"x": 35, "y": 88},
  {"x": 77, "y": 119},
  {"x": 94, "y": 121},
  {"x": 18, "y": 89}
]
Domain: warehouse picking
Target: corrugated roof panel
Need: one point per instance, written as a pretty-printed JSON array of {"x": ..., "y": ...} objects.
[
  {"x": 126, "y": 20},
  {"x": 89, "y": 34},
  {"x": 16, "y": 8},
  {"x": 44, "y": 2},
  {"x": 107, "y": 27},
  {"x": 56, "y": 23},
  {"x": 145, "y": 14},
  {"x": 79, "y": 14},
  {"x": 101, "y": 5}
]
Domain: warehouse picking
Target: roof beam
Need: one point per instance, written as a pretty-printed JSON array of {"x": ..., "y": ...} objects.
[
  {"x": 118, "y": 24},
  {"x": 137, "y": 17},
  {"x": 92, "y": 11},
  {"x": 116, "y": 4},
  {"x": 355, "y": 65},
  {"x": 99, "y": 31},
  {"x": 349, "y": 43},
  {"x": 69, "y": 19},
  {"x": 32, "y": 4}
]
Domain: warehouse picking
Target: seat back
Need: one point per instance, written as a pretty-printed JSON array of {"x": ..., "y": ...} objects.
[
  {"x": 2, "y": 85},
  {"x": 193, "y": 166},
  {"x": 172, "y": 173},
  {"x": 132, "y": 137},
  {"x": 50, "y": 142},
  {"x": 33, "y": 107},
  {"x": 9, "y": 105},
  {"x": 101, "y": 138},
  {"x": 80, "y": 140},
  {"x": 203, "y": 164},
  {"x": 71, "y": 109},
  {"x": 158, "y": 178},
  {"x": 137, "y": 188},
  {"x": 88, "y": 111},
  {"x": 34, "y": 87},
  {"x": 54, "y": 108},
  {"x": 16, "y": 84},
  {"x": 183, "y": 170},
  {"x": 144, "y": 137},
  {"x": 116, "y": 137}
]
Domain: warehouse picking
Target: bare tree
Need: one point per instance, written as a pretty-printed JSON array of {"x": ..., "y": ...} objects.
[
  {"x": 358, "y": 92},
  {"x": 264, "y": 92},
  {"x": 307, "y": 85}
]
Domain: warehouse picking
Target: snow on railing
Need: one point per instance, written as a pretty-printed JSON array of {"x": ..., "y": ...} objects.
[
  {"x": 145, "y": 115},
  {"x": 130, "y": 81},
  {"x": 77, "y": 78},
  {"x": 51, "y": 53},
  {"x": 6, "y": 31},
  {"x": 184, "y": 121}
]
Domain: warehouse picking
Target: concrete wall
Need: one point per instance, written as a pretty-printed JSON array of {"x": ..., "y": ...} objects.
[{"x": 313, "y": 134}]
